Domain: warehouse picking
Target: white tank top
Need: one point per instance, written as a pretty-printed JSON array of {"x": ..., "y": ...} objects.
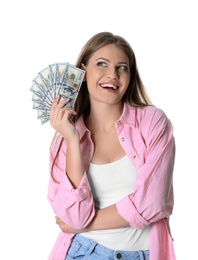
[{"x": 110, "y": 183}]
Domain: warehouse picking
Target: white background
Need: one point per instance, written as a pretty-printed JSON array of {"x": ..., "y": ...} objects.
[{"x": 34, "y": 34}]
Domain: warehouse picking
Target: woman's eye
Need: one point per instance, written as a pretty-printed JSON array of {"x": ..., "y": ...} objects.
[
  {"x": 101, "y": 64},
  {"x": 122, "y": 67}
]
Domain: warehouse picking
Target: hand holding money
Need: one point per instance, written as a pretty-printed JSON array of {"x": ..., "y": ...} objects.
[
  {"x": 60, "y": 119},
  {"x": 59, "y": 79}
]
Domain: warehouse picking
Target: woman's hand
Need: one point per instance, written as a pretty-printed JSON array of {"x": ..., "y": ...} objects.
[
  {"x": 65, "y": 228},
  {"x": 60, "y": 119}
]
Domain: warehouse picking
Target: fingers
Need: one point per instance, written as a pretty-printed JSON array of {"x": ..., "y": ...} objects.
[
  {"x": 62, "y": 225},
  {"x": 60, "y": 104},
  {"x": 59, "y": 111},
  {"x": 57, "y": 105},
  {"x": 57, "y": 220}
]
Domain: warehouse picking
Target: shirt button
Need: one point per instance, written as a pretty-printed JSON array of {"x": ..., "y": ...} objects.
[
  {"x": 122, "y": 139},
  {"x": 119, "y": 122},
  {"x": 119, "y": 255},
  {"x": 134, "y": 156}
]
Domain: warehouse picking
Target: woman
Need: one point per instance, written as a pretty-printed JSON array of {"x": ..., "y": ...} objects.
[{"x": 111, "y": 163}]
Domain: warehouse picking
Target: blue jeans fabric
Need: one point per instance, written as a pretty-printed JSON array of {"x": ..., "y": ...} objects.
[{"x": 87, "y": 249}]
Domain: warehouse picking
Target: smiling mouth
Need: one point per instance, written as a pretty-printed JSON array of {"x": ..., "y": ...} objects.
[{"x": 110, "y": 86}]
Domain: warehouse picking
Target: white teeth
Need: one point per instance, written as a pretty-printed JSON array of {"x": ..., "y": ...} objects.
[{"x": 108, "y": 86}]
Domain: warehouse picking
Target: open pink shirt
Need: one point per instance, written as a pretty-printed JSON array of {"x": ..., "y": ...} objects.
[{"x": 146, "y": 135}]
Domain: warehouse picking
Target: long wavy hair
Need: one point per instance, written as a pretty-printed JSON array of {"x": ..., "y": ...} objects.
[{"x": 135, "y": 94}]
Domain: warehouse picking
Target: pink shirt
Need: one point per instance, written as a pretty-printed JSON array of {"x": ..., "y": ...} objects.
[{"x": 146, "y": 135}]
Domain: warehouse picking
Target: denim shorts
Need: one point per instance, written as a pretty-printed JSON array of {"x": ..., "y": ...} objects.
[{"x": 87, "y": 249}]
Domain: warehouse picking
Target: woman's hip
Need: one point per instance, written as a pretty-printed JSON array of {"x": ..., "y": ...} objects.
[{"x": 87, "y": 249}]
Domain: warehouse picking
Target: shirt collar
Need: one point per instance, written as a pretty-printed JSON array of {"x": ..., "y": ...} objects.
[
  {"x": 128, "y": 115},
  {"x": 80, "y": 125}
]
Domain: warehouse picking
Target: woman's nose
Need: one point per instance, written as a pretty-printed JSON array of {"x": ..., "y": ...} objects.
[{"x": 113, "y": 73}]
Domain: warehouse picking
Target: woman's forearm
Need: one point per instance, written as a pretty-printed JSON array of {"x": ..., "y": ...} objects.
[
  {"x": 107, "y": 218},
  {"x": 74, "y": 164}
]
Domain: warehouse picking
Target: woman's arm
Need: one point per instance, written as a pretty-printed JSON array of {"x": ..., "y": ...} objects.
[
  {"x": 152, "y": 199},
  {"x": 60, "y": 120},
  {"x": 69, "y": 191},
  {"x": 74, "y": 164},
  {"x": 106, "y": 218}
]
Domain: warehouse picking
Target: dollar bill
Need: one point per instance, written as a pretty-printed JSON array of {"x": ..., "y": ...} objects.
[
  {"x": 46, "y": 80},
  {"x": 41, "y": 100},
  {"x": 71, "y": 82},
  {"x": 40, "y": 106},
  {"x": 62, "y": 79},
  {"x": 43, "y": 115},
  {"x": 40, "y": 92},
  {"x": 44, "y": 120}
]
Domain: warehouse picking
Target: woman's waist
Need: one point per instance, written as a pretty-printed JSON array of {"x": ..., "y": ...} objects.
[{"x": 128, "y": 238}]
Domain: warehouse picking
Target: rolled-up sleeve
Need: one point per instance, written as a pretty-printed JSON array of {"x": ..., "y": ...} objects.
[
  {"x": 75, "y": 206},
  {"x": 152, "y": 198}
]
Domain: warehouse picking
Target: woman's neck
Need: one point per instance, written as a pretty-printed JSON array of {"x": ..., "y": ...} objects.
[{"x": 103, "y": 117}]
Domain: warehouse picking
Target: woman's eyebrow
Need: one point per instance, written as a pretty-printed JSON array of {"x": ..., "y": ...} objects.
[
  {"x": 101, "y": 58},
  {"x": 120, "y": 62}
]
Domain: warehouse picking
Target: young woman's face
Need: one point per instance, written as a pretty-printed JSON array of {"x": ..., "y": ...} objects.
[{"x": 107, "y": 74}]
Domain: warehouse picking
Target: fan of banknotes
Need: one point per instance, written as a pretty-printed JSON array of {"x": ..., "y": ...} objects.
[{"x": 61, "y": 79}]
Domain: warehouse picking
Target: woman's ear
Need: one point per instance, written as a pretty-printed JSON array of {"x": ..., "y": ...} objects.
[{"x": 83, "y": 68}]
